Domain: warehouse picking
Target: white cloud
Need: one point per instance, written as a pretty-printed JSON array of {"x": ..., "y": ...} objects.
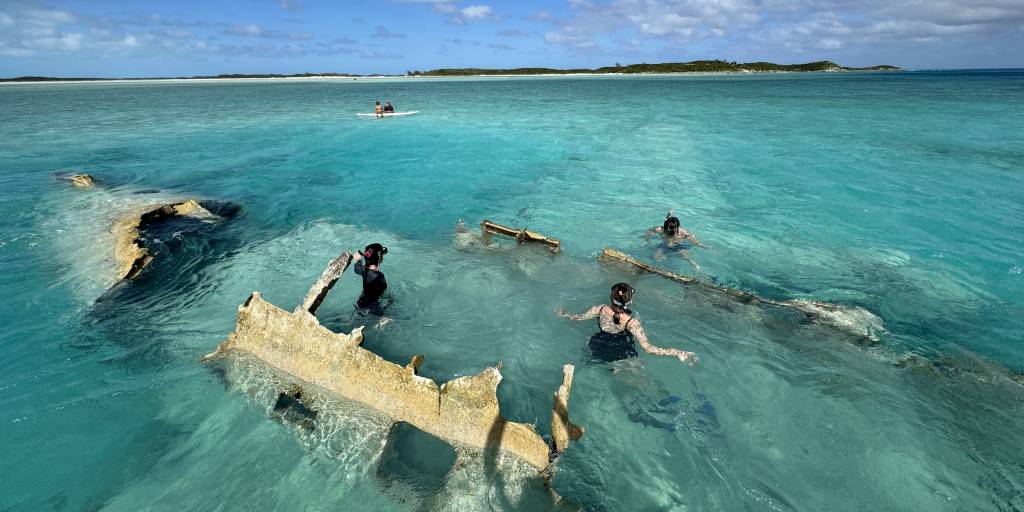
[
  {"x": 441, "y": 6},
  {"x": 290, "y": 5},
  {"x": 830, "y": 44},
  {"x": 248, "y": 30},
  {"x": 47, "y": 17},
  {"x": 381, "y": 32},
  {"x": 9, "y": 51},
  {"x": 455, "y": 15},
  {"x": 66, "y": 42},
  {"x": 793, "y": 24},
  {"x": 253, "y": 30},
  {"x": 512, "y": 32},
  {"x": 538, "y": 16},
  {"x": 445, "y": 7},
  {"x": 477, "y": 12}
]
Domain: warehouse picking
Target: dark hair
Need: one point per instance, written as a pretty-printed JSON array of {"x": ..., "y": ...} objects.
[
  {"x": 622, "y": 295},
  {"x": 373, "y": 253},
  {"x": 671, "y": 225}
]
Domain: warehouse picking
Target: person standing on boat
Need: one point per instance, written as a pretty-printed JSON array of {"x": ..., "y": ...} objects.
[
  {"x": 618, "y": 328},
  {"x": 379, "y": 110}
]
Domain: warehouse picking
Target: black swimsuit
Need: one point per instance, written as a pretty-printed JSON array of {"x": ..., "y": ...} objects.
[
  {"x": 374, "y": 286},
  {"x": 608, "y": 346}
]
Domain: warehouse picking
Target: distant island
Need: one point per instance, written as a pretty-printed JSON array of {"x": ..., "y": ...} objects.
[{"x": 697, "y": 66}]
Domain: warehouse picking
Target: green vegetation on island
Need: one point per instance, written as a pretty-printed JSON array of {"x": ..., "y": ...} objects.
[{"x": 697, "y": 66}]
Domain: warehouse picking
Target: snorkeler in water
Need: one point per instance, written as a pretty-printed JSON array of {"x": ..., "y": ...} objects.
[
  {"x": 675, "y": 238},
  {"x": 618, "y": 329},
  {"x": 368, "y": 264}
]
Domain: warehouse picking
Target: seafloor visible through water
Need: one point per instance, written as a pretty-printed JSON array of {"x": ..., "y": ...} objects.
[{"x": 898, "y": 193}]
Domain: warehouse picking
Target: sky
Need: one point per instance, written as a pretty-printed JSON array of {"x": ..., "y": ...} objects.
[{"x": 149, "y": 38}]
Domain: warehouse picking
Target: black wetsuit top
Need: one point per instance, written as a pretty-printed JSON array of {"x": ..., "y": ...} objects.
[
  {"x": 374, "y": 286},
  {"x": 608, "y": 346}
]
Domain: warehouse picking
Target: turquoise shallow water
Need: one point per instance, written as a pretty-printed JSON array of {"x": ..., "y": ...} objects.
[{"x": 898, "y": 193}]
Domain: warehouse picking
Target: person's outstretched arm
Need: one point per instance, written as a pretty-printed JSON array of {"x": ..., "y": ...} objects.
[
  {"x": 691, "y": 237},
  {"x": 590, "y": 313},
  {"x": 359, "y": 268},
  {"x": 656, "y": 230},
  {"x": 641, "y": 336}
]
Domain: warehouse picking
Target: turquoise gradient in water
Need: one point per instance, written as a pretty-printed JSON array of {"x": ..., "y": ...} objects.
[{"x": 898, "y": 193}]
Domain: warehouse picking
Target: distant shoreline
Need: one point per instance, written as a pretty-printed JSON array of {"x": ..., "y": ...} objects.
[
  {"x": 697, "y": 67},
  {"x": 325, "y": 78}
]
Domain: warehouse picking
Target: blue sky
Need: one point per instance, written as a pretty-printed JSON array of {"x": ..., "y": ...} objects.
[{"x": 120, "y": 38}]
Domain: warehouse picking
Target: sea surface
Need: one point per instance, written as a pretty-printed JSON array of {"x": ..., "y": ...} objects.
[{"x": 898, "y": 193}]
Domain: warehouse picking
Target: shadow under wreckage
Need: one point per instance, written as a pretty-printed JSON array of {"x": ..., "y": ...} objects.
[{"x": 463, "y": 412}]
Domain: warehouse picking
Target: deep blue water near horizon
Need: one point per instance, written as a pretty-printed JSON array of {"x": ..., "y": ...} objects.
[{"x": 899, "y": 193}]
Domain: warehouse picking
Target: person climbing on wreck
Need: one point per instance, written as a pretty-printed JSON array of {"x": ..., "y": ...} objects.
[
  {"x": 374, "y": 285},
  {"x": 674, "y": 238},
  {"x": 618, "y": 328}
]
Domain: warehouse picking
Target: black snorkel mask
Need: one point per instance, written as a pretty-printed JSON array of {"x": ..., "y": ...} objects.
[
  {"x": 376, "y": 252},
  {"x": 670, "y": 226}
]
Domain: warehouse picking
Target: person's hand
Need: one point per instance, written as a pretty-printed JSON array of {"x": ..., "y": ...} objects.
[
  {"x": 687, "y": 357},
  {"x": 356, "y": 256}
]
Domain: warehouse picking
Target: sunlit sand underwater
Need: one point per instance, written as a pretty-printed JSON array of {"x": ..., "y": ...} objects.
[{"x": 896, "y": 193}]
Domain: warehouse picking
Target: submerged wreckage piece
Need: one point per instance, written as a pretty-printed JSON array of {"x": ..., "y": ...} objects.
[
  {"x": 521, "y": 235},
  {"x": 563, "y": 430},
  {"x": 463, "y": 412},
  {"x": 80, "y": 180},
  {"x": 129, "y": 253},
  {"x": 851, "y": 319},
  {"x": 77, "y": 180},
  {"x": 318, "y": 292}
]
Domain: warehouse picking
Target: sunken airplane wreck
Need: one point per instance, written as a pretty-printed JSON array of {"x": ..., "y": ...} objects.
[
  {"x": 463, "y": 412},
  {"x": 131, "y": 253}
]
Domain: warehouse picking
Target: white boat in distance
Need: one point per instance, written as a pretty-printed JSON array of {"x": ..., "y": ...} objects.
[{"x": 391, "y": 114}]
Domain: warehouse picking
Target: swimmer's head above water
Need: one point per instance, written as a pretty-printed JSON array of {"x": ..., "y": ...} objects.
[
  {"x": 621, "y": 297},
  {"x": 671, "y": 226},
  {"x": 622, "y": 338},
  {"x": 374, "y": 254}
]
